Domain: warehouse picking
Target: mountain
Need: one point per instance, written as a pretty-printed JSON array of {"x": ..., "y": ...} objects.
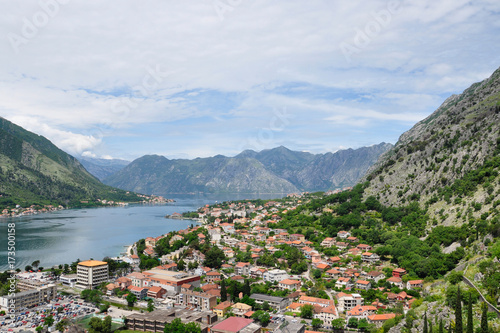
[
  {"x": 449, "y": 161},
  {"x": 277, "y": 170},
  {"x": 35, "y": 171},
  {"x": 102, "y": 168}
]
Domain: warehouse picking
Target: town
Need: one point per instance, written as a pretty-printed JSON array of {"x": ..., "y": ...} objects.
[{"x": 254, "y": 277}]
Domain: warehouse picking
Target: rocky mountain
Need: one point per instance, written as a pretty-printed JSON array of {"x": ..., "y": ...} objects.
[
  {"x": 102, "y": 168},
  {"x": 34, "y": 171},
  {"x": 277, "y": 170},
  {"x": 448, "y": 161}
]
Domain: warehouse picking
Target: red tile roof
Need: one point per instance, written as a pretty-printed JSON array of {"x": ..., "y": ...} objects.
[{"x": 233, "y": 324}]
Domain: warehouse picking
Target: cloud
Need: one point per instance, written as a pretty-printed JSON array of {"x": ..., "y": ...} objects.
[{"x": 183, "y": 79}]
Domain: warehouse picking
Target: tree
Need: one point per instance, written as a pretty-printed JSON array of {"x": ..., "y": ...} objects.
[
  {"x": 458, "y": 314},
  {"x": 39, "y": 329},
  {"x": 425, "y": 330},
  {"x": 60, "y": 326},
  {"x": 306, "y": 311},
  {"x": 316, "y": 323},
  {"x": 484, "y": 318},
  {"x": 316, "y": 273},
  {"x": 176, "y": 326},
  {"x": 353, "y": 322},
  {"x": 441, "y": 327},
  {"x": 49, "y": 321},
  {"x": 223, "y": 291},
  {"x": 151, "y": 305},
  {"x": 262, "y": 316},
  {"x": 338, "y": 324},
  {"x": 181, "y": 265},
  {"x": 28, "y": 268},
  {"x": 131, "y": 299},
  {"x": 246, "y": 288},
  {"x": 35, "y": 264},
  {"x": 470, "y": 320},
  {"x": 214, "y": 257}
]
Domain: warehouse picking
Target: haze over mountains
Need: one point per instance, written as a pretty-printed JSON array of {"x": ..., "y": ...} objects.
[{"x": 277, "y": 170}]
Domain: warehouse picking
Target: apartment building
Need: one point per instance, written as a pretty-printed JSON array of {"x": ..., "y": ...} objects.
[{"x": 91, "y": 273}]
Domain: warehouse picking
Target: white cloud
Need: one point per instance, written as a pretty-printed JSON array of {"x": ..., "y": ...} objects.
[{"x": 75, "y": 75}]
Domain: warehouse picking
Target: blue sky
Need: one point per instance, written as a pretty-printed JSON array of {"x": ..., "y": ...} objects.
[{"x": 211, "y": 77}]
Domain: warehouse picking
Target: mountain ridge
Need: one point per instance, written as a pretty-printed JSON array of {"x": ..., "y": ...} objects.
[{"x": 277, "y": 170}]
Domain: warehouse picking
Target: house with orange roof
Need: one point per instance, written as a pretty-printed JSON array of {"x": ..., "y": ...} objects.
[
  {"x": 222, "y": 308},
  {"x": 379, "y": 319},
  {"x": 396, "y": 281},
  {"x": 364, "y": 247},
  {"x": 156, "y": 292},
  {"x": 139, "y": 292},
  {"x": 398, "y": 272},
  {"x": 150, "y": 242},
  {"x": 341, "y": 245},
  {"x": 370, "y": 257},
  {"x": 289, "y": 284},
  {"x": 415, "y": 284},
  {"x": 326, "y": 314},
  {"x": 328, "y": 242},
  {"x": 348, "y": 301},
  {"x": 333, "y": 273},
  {"x": 343, "y": 282},
  {"x": 242, "y": 268},
  {"x": 343, "y": 234},
  {"x": 123, "y": 282},
  {"x": 322, "y": 266},
  {"x": 376, "y": 276},
  {"x": 211, "y": 276},
  {"x": 361, "y": 311},
  {"x": 352, "y": 239},
  {"x": 316, "y": 301},
  {"x": 363, "y": 285}
]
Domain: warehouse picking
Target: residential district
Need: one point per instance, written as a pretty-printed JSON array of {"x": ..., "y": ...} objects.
[{"x": 254, "y": 277}]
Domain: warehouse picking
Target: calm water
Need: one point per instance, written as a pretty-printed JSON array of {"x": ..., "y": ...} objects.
[{"x": 62, "y": 237}]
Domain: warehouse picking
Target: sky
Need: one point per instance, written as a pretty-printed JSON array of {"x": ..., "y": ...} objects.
[{"x": 187, "y": 79}]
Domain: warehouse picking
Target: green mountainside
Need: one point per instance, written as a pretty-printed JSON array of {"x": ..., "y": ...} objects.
[
  {"x": 448, "y": 162},
  {"x": 277, "y": 170},
  {"x": 33, "y": 171}
]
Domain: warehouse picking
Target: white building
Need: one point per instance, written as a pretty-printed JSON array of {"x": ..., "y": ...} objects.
[
  {"x": 91, "y": 273},
  {"x": 275, "y": 275}
]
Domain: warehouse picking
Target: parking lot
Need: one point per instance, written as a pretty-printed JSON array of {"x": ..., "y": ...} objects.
[{"x": 64, "y": 307}]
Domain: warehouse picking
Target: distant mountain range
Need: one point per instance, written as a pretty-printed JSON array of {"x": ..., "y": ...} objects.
[
  {"x": 34, "y": 171},
  {"x": 277, "y": 170},
  {"x": 102, "y": 168}
]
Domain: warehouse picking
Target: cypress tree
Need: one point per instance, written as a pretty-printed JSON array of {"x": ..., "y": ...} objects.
[
  {"x": 458, "y": 314},
  {"x": 425, "y": 323},
  {"x": 484, "y": 318},
  {"x": 223, "y": 291},
  {"x": 246, "y": 288},
  {"x": 441, "y": 327},
  {"x": 470, "y": 320},
  {"x": 430, "y": 326}
]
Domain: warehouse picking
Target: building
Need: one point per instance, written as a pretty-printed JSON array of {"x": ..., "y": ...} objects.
[
  {"x": 69, "y": 280},
  {"x": 29, "y": 298},
  {"x": 289, "y": 284},
  {"x": 378, "y": 319},
  {"x": 363, "y": 285},
  {"x": 275, "y": 275},
  {"x": 348, "y": 301},
  {"x": 211, "y": 276},
  {"x": 370, "y": 257},
  {"x": 327, "y": 314},
  {"x": 222, "y": 308},
  {"x": 169, "y": 280},
  {"x": 139, "y": 292},
  {"x": 236, "y": 325},
  {"x": 198, "y": 300},
  {"x": 396, "y": 281},
  {"x": 91, "y": 273},
  {"x": 398, "y": 272},
  {"x": 239, "y": 309},
  {"x": 242, "y": 268},
  {"x": 156, "y": 292},
  {"x": 277, "y": 303},
  {"x": 414, "y": 284},
  {"x": 155, "y": 321}
]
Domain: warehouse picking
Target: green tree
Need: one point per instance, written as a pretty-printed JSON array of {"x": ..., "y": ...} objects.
[
  {"x": 176, "y": 326},
  {"x": 338, "y": 324},
  {"x": 181, "y": 265},
  {"x": 246, "y": 288},
  {"x": 316, "y": 323},
  {"x": 39, "y": 329},
  {"x": 35, "y": 264},
  {"x": 223, "y": 291},
  {"x": 441, "y": 327},
  {"x": 49, "y": 321},
  {"x": 425, "y": 330},
  {"x": 28, "y": 268},
  {"x": 61, "y": 326},
  {"x": 262, "y": 316},
  {"x": 306, "y": 311},
  {"x": 484, "y": 318},
  {"x": 151, "y": 305},
  {"x": 266, "y": 306},
  {"x": 458, "y": 314},
  {"x": 131, "y": 299},
  {"x": 470, "y": 320},
  {"x": 214, "y": 257},
  {"x": 353, "y": 322}
]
